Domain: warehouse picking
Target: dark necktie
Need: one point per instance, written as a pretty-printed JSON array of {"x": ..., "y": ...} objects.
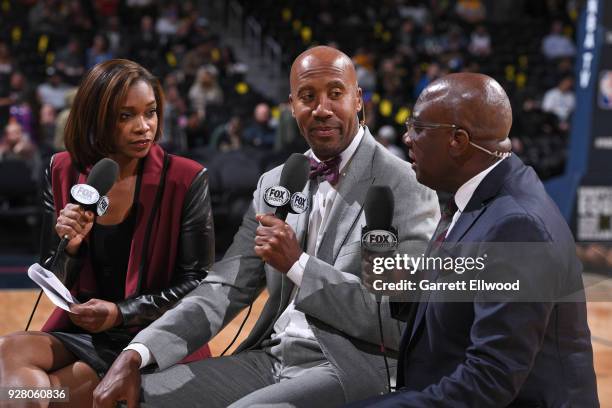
[
  {"x": 329, "y": 170},
  {"x": 445, "y": 220}
]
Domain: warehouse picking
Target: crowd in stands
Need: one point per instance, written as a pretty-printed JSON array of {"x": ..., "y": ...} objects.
[
  {"x": 400, "y": 46},
  {"x": 46, "y": 46},
  {"x": 214, "y": 116}
]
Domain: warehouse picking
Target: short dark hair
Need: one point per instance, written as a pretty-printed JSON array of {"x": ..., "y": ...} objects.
[{"x": 91, "y": 128}]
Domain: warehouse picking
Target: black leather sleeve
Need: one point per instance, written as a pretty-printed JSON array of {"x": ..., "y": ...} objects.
[
  {"x": 66, "y": 267},
  {"x": 195, "y": 257}
]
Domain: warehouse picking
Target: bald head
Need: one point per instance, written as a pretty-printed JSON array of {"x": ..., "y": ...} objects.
[
  {"x": 475, "y": 102},
  {"x": 325, "y": 99},
  {"x": 311, "y": 61},
  {"x": 460, "y": 127}
]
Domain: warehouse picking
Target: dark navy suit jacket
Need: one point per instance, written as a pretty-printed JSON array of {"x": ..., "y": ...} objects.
[{"x": 497, "y": 354}]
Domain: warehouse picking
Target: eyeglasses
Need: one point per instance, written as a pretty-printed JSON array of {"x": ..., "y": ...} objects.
[{"x": 419, "y": 126}]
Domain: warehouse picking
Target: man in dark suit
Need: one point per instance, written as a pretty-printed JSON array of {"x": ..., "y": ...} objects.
[{"x": 490, "y": 352}]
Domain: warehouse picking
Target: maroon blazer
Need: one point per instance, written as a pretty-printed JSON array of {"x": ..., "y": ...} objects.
[{"x": 161, "y": 229}]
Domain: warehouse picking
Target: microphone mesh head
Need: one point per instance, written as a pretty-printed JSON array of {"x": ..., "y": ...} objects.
[
  {"x": 378, "y": 207},
  {"x": 295, "y": 173},
  {"x": 103, "y": 175}
]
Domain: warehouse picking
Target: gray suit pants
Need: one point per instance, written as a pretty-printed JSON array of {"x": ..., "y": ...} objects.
[{"x": 248, "y": 379}]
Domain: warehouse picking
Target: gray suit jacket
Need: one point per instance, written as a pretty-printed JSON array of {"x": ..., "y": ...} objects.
[{"x": 340, "y": 310}]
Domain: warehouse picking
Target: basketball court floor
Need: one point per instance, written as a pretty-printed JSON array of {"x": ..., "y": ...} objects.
[{"x": 16, "y": 305}]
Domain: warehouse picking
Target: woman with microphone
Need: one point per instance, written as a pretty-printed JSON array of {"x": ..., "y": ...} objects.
[{"x": 152, "y": 246}]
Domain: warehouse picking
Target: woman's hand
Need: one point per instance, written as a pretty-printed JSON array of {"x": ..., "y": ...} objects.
[
  {"x": 95, "y": 315},
  {"x": 75, "y": 223}
]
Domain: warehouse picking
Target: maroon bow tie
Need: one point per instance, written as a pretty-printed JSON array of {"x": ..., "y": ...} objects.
[{"x": 327, "y": 169}]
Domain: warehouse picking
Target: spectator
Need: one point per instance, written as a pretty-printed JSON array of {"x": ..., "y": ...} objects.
[
  {"x": 99, "y": 51},
  {"x": 46, "y": 128},
  {"x": 366, "y": 76},
  {"x": 167, "y": 25},
  {"x": 69, "y": 61},
  {"x": 480, "y": 42},
  {"x": 175, "y": 119},
  {"x": 228, "y": 136},
  {"x": 205, "y": 90},
  {"x": 387, "y": 136},
  {"x": 17, "y": 145},
  {"x": 53, "y": 90},
  {"x": 60, "y": 125},
  {"x": 453, "y": 40},
  {"x": 45, "y": 18},
  {"x": 196, "y": 58},
  {"x": 260, "y": 133},
  {"x": 407, "y": 37},
  {"x": 431, "y": 74},
  {"x": 390, "y": 80},
  {"x": 428, "y": 42},
  {"x": 556, "y": 45},
  {"x": 19, "y": 100},
  {"x": 144, "y": 46},
  {"x": 114, "y": 35},
  {"x": 560, "y": 100}
]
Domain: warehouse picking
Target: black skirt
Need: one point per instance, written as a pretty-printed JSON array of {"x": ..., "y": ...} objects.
[{"x": 98, "y": 350}]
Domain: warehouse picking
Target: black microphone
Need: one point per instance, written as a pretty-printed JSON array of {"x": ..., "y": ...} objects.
[
  {"x": 378, "y": 235},
  {"x": 287, "y": 196},
  {"x": 101, "y": 178},
  {"x": 91, "y": 195}
]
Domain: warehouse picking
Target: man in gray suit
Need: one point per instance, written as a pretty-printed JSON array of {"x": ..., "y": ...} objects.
[{"x": 317, "y": 341}]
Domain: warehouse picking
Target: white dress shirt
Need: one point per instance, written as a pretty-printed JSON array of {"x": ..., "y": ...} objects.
[
  {"x": 466, "y": 191},
  {"x": 291, "y": 322}
]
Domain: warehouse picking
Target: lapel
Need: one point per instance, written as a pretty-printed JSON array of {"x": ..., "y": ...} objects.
[
  {"x": 356, "y": 179},
  {"x": 484, "y": 194}
]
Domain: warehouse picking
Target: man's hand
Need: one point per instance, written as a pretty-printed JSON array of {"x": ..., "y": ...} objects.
[
  {"x": 276, "y": 243},
  {"x": 121, "y": 382},
  {"x": 367, "y": 274},
  {"x": 95, "y": 315}
]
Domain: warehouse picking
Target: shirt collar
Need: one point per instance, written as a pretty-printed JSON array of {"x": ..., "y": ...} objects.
[
  {"x": 347, "y": 153},
  {"x": 466, "y": 191}
]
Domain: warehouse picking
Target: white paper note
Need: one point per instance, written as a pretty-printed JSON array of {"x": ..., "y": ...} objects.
[{"x": 51, "y": 285}]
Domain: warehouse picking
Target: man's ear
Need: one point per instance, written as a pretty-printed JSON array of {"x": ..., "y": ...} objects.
[
  {"x": 359, "y": 99},
  {"x": 291, "y": 104},
  {"x": 459, "y": 142}
]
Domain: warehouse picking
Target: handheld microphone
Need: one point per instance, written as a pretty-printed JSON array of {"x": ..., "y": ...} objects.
[
  {"x": 378, "y": 235},
  {"x": 91, "y": 195},
  {"x": 101, "y": 178},
  {"x": 287, "y": 196}
]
